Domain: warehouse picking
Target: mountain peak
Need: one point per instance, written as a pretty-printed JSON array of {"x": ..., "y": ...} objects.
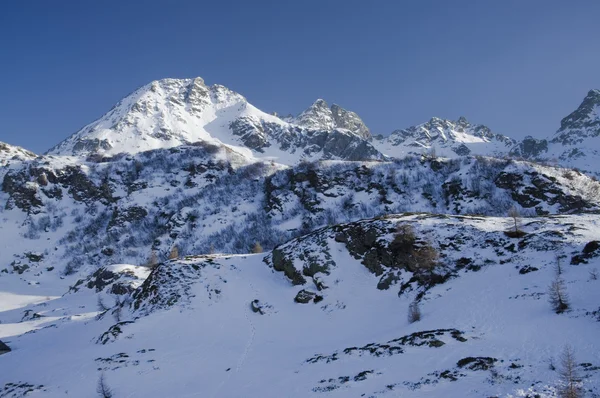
[
  {"x": 11, "y": 152},
  {"x": 462, "y": 121},
  {"x": 584, "y": 121},
  {"x": 450, "y": 138},
  {"x": 320, "y": 116}
]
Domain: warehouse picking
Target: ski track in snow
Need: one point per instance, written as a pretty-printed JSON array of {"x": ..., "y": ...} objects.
[{"x": 246, "y": 351}]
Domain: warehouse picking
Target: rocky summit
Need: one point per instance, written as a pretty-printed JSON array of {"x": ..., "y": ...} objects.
[{"x": 187, "y": 244}]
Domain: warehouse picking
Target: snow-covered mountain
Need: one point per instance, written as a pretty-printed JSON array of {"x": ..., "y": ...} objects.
[
  {"x": 111, "y": 268},
  {"x": 446, "y": 138},
  {"x": 173, "y": 112},
  {"x": 576, "y": 144}
]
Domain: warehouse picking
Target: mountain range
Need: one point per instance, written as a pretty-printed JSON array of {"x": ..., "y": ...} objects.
[
  {"x": 189, "y": 244},
  {"x": 170, "y": 112}
]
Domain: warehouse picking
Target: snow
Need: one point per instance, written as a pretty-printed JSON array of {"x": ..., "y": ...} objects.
[
  {"x": 210, "y": 344},
  {"x": 11, "y": 301},
  {"x": 195, "y": 333}
]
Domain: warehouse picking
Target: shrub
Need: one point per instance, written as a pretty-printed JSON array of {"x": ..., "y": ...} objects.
[{"x": 414, "y": 312}]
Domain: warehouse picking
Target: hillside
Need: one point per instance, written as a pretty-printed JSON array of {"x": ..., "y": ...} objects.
[
  {"x": 227, "y": 326},
  {"x": 125, "y": 254}
]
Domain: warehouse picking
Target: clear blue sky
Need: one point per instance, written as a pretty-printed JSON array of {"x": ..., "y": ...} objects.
[{"x": 517, "y": 66}]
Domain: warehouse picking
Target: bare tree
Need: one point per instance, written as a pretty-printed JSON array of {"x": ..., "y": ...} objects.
[
  {"x": 426, "y": 258},
  {"x": 118, "y": 309},
  {"x": 152, "y": 260},
  {"x": 571, "y": 381},
  {"x": 594, "y": 274},
  {"x": 414, "y": 312},
  {"x": 557, "y": 295},
  {"x": 514, "y": 213},
  {"x": 257, "y": 248},
  {"x": 174, "y": 253},
  {"x": 211, "y": 250},
  {"x": 102, "y": 308},
  {"x": 103, "y": 390}
]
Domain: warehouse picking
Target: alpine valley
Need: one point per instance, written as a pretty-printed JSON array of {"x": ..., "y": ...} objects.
[{"x": 188, "y": 244}]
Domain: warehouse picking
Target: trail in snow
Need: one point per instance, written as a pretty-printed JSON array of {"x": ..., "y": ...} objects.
[{"x": 247, "y": 348}]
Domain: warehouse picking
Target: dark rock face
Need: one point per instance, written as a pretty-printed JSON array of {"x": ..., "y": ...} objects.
[
  {"x": 251, "y": 132},
  {"x": 166, "y": 286},
  {"x": 477, "y": 363},
  {"x": 541, "y": 189},
  {"x": 530, "y": 148},
  {"x": 334, "y": 144},
  {"x": 306, "y": 296},
  {"x": 583, "y": 122},
  {"x": 283, "y": 264},
  {"x": 590, "y": 250},
  {"x": 22, "y": 195},
  {"x": 425, "y": 338},
  {"x": 4, "y": 348},
  {"x": 461, "y": 150},
  {"x": 350, "y": 121},
  {"x": 91, "y": 145},
  {"x": 386, "y": 259}
]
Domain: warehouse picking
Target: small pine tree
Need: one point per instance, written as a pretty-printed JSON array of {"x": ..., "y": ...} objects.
[
  {"x": 570, "y": 387},
  {"x": 414, "y": 312},
  {"x": 557, "y": 295},
  {"x": 103, "y": 390},
  {"x": 174, "y": 253},
  {"x": 558, "y": 267},
  {"x": 257, "y": 248}
]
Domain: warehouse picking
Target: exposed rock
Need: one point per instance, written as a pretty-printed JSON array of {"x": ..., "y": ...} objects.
[
  {"x": 477, "y": 363},
  {"x": 305, "y": 296},
  {"x": 530, "y": 148},
  {"x": 350, "y": 121}
]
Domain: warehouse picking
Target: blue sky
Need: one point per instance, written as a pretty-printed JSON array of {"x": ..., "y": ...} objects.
[{"x": 516, "y": 66}]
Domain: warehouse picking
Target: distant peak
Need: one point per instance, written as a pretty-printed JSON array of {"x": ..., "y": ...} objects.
[
  {"x": 436, "y": 120},
  {"x": 462, "y": 121},
  {"x": 320, "y": 103},
  {"x": 593, "y": 95},
  {"x": 586, "y": 116}
]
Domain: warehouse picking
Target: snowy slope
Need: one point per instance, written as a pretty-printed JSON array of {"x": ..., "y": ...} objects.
[
  {"x": 191, "y": 328},
  {"x": 198, "y": 197},
  {"x": 447, "y": 138},
  {"x": 173, "y": 112},
  {"x": 14, "y": 154},
  {"x": 182, "y": 169}
]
